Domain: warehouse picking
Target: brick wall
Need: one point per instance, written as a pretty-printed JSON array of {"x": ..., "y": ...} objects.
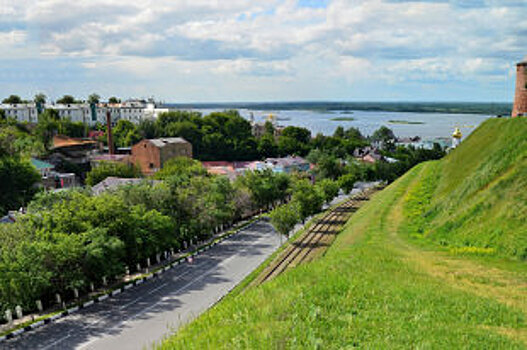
[
  {"x": 146, "y": 156},
  {"x": 520, "y": 98}
]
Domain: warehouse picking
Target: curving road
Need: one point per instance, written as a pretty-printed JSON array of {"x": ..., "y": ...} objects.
[{"x": 142, "y": 315}]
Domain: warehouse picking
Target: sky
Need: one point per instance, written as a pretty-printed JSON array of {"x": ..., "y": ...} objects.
[{"x": 263, "y": 50}]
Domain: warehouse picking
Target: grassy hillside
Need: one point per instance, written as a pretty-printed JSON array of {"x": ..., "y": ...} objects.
[{"x": 436, "y": 260}]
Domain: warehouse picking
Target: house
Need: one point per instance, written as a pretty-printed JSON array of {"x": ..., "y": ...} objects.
[
  {"x": 151, "y": 154},
  {"x": 288, "y": 164},
  {"x": 44, "y": 168},
  {"x": 368, "y": 154}
]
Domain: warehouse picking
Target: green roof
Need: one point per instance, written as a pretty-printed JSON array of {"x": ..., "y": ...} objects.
[{"x": 40, "y": 164}]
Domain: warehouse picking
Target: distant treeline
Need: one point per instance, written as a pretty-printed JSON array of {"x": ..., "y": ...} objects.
[{"x": 420, "y": 107}]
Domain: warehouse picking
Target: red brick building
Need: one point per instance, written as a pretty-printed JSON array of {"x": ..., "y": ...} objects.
[
  {"x": 151, "y": 155},
  {"x": 520, "y": 98}
]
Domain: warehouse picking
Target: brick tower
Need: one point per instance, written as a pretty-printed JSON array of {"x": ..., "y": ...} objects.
[{"x": 520, "y": 98}]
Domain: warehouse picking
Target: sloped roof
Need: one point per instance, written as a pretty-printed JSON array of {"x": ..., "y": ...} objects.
[
  {"x": 40, "y": 164},
  {"x": 60, "y": 141},
  {"x": 162, "y": 142},
  {"x": 111, "y": 183}
]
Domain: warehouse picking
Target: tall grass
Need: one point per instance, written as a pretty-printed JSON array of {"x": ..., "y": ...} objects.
[{"x": 374, "y": 288}]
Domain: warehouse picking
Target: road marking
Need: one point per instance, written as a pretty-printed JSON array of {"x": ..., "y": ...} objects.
[
  {"x": 191, "y": 269},
  {"x": 158, "y": 288},
  {"x": 56, "y": 342},
  {"x": 177, "y": 278},
  {"x": 208, "y": 272}
]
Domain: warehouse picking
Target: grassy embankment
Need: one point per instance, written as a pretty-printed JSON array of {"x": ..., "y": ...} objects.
[{"x": 436, "y": 260}]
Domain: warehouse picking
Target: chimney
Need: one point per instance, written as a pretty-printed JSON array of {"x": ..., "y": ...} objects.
[{"x": 109, "y": 130}]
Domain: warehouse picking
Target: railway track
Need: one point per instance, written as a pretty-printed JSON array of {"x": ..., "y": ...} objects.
[{"x": 316, "y": 239}]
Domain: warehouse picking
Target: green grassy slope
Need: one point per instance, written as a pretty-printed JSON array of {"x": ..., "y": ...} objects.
[
  {"x": 387, "y": 283},
  {"x": 480, "y": 197}
]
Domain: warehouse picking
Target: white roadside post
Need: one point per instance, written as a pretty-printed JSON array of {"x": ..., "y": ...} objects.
[
  {"x": 92, "y": 287},
  {"x": 104, "y": 281},
  {"x": 40, "y": 308},
  {"x": 147, "y": 262},
  {"x": 8, "y": 316},
  {"x": 127, "y": 271},
  {"x": 18, "y": 310},
  {"x": 58, "y": 298},
  {"x": 76, "y": 293},
  {"x": 158, "y": 258},
  {"x": 138, "y": 267}
]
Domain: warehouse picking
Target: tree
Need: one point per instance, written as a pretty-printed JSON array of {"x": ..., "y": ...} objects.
[
  {"x": 329, "y": 189},
  {"x": 67, "y": 99},
  {"x": 308, "y": 198},
  {"x": 47, "y": 126},
  {"x": 113, "y": 100},
  {"x": 347, "y": 181},
  {"x": 125, "y": 133},
  {"x": 17, "y": 182},
  {"x": 40, "y": 98},
  {"x": 294, "y": 140},
  {"x": 181, "y": 167},
  {"x": 106, "y": 169},
  {"x": 13, "y": 99},
  {"x": 285, "y": 217},
  {"x": 385, "y": 137},
  {"x": 94, "y": 98}
]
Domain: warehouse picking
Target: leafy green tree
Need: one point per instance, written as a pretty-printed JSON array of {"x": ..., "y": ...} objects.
[
  {"x": 40, "y": 98},
  {"x": 285, "y": 217},
  {"x": 385, "y": 137},
  {"x": 309, "y": 200},
  {"x": 107, "y": 169},
  {"x": 125, "y": 134},
  {"x": 67, "y": 99},
  {"x": 181, "y": 167},
  {"x": 13, "y": 99},
  {"x": 114, "y": 100},
  {"x": 347, "y": 181},
  {"x": 294, "y": 140},
  {"x": 47, "y": 126},
  {"x": 329, "y": 189},
  {"x": 267, "y": 146},
  {"x": 94, "y": 98},
  {"x": 17, "y": 182},
  {"x": 147, "y": 129}
]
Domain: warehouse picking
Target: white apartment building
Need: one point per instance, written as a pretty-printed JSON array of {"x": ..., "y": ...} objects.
[
  {"x": 131, "y": 110},
  {"x": 24, "y": 112}
]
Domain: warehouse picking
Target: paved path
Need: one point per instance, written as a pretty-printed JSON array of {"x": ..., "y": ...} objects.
[{"x": 140, "y": 316}]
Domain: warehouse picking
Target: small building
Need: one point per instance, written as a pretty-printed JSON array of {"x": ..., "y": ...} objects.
[
  {"x": 151, "y": 154},
  {"x": 288, "y": 164},
  {"x": 368, "y": 154},
  {"x": 44, "y": 168},
  {"x": 72, "y": 149}
]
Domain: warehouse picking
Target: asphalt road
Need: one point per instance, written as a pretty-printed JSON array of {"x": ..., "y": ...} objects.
[{"x": 145, "y": 314}]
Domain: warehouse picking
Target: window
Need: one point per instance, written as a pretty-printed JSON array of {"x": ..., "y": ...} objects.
[{"x": 151, "y": 165}]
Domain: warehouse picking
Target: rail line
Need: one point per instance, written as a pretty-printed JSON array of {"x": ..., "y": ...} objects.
[{"x": 316, "y": 238}]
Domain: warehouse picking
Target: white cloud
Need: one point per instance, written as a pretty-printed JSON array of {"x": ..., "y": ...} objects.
[{"x": 346, "y": 42}]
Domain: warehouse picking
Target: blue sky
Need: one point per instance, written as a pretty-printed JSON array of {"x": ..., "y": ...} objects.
[{"x": 263, "y": 50}]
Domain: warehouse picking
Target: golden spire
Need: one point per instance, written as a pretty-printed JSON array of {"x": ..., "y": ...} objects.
[{"x": 457, "y": 134}]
